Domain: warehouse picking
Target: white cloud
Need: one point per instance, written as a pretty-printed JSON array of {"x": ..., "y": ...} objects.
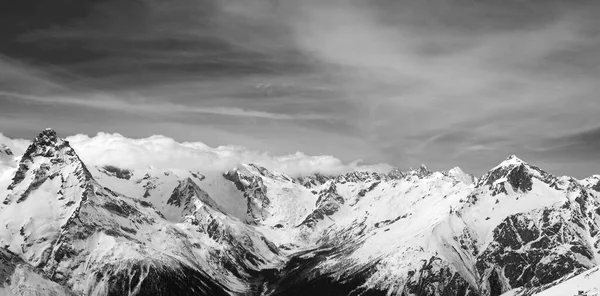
[
  {"x": 164, "y": 152},
  {"x": 17, "y": 146}
]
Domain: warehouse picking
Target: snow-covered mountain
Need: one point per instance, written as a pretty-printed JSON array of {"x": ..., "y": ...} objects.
[{"x": 70, "y": 229}]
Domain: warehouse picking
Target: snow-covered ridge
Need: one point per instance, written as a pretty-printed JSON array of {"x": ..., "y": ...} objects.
[
  {"x": 115, "y": 230},
  {"x": 56, "y": 216}
]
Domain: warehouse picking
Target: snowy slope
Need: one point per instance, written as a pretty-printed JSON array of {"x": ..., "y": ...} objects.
[
  {"x": 272, "y": 198},
  {"x": 156, "y": 185},
  {"x": 587, "y": 283},
  {"x": 17, "y": 278},
  {"x": 381, "y": 232},
  {"x": 426, "y": 233},
  {"x": 95, "y": 241},
  {"x": 111, "y": 230},
  {"x": 584, "y": 284}
]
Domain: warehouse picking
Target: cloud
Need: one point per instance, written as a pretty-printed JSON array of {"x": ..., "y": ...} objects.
[
  {"x": 405, "y": 82},
  {"x": 164, "y": 152},
  {"x": 107, "y": 102},
  {"x": 582, "y": 143},
  {"x": 17, "y": 146}
]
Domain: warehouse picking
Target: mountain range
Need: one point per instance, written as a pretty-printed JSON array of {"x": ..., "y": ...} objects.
[{"x": 67, "y": 228}]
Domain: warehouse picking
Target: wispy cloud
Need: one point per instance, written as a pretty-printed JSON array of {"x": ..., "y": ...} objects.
[
  {"x": 406, "y": 82},
  {"x": 102, "y": 101}
]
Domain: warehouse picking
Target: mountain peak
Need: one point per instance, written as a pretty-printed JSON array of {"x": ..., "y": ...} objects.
[
  {"x": 45, "y": 144},
  {"x": 458, "y": 174},
  {"x": 397, "y": 173},
  {"x": 510, "y": 162},
  {"x": 512, "y": 159},
  {"x": 49, "y": 131},
  {"x": 43, "y": 159},
  {"x": 515, "y": 171},
  {"x": 47, "y": 135},
  {"x": 422, "y": 171},
  {"x": 185, "y": 195}
]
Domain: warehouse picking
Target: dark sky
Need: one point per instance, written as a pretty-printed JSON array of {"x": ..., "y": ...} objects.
[{"x": 460, "y": 82}]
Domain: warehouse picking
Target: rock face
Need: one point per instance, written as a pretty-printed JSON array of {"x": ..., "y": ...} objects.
[
  {"x": 254, "y": 190},
  {"x": 187, "y": 195},
  {"x": 313, "y": 180},
  {"x": 116, "y": 172},
  {"x": 4, "y": 150},
  {"x": 544, "y": 245},
  {"x": 328, "y": 203},
  {"x": 69, "y": 230}
]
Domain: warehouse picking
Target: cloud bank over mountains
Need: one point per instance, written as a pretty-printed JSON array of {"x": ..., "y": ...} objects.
[{"x": 164, "y": 152}]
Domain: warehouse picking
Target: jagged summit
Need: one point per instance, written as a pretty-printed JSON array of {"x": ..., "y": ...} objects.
[
  {"x": 458, "y": 174},
  {"x": 49, "y": 145},
  {"x": 421, "y": 171},
  {"x": 46, "y": 158},
  {"x": 513, "y": 156},
  {"x": 516, "y": 172},
  {"x": 397, "y": 173},
  {"x": 47, "y": 136},
  {"x": 511, "y": 161},
  {"x": 508, "y": 163},
  {"x": 187, "y": 194},
  {"x": 313, "y": 180},
  {"x": 46, "y": 144},
  {"x": 49, "y": 131},
  {"x": 592, "y": 182}
]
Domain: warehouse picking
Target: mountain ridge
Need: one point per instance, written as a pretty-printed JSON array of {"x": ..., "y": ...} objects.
[{"x": 415, "y": 232}]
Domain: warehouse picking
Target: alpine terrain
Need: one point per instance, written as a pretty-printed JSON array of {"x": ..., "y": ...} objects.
[{"x": 67, "y": 228}]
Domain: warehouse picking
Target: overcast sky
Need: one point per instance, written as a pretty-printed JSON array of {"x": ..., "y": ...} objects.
[{"x": 440, "y": 82}]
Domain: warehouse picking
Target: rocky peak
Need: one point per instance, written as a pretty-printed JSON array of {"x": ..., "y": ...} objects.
[
  {"x": 397, "y": 173},
  {"x": 4, "y": 150},
  {"x": 592, "y": 182},
  {"x": 420, "y": 172},
  {"x": 459, "y": 175},
  {"x": 46, "y": 158},
  {"x": 516, "y": 172},
  {"x": 512, "y": 160},
  {"x": 257, "y": 170},
  {"x": 242, "y": 178},
  {"x": 313, "y": 180},
  {"x": 47, "y": 138},
  {"x": 357, "y": 176},
  {"x": 48, "y": 145},
  {"x": 328, "y": 203},
  {"x": 186, "y": 191},
  {"x": 255, "y": 192},
  {"x": 318, "y": 179}
]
